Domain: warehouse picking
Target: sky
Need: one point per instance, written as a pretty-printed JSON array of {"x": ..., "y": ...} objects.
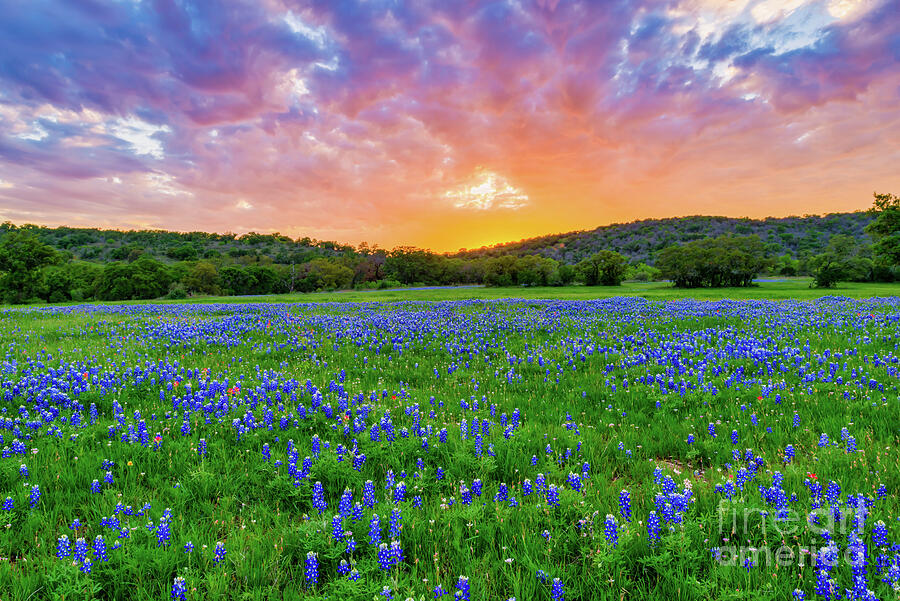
[{"x": 442, "y": 123}]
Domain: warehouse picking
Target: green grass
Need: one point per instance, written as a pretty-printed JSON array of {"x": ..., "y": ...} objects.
[
  {"x": 267, "y": 520},
  {"x": 797, "y": 289},
  {"x": 789, "y": 289}
]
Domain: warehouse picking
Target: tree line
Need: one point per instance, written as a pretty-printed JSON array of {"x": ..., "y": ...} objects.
[{"x": 31, "y": 270}]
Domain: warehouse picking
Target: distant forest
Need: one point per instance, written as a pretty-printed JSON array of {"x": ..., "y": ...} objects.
[
  {"x": 641, "y": 241},
  {"x": 76, "y": 264}
]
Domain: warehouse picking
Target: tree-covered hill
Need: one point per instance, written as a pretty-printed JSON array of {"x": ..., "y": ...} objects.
[
  {"x": 77, "y": 264},
  {"x": 641, "y": 241},
  {"x": 103, "y": 246}
]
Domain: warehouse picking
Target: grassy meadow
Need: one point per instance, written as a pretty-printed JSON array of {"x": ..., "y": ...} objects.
[{"x": 637, "y": 442}]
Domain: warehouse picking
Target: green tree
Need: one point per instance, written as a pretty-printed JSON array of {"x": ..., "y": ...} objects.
[
  {"x": 185, "y": 252},
  {"x": 534, "y": 270},
  {"x": 146, "y": 278},
  {"x": 265, "y": 279},
  {"x": 606, "y": 268},
  {"x": 501, "y": 271},
  {"x": 841, "y": 261},
  {"x": 885, "y": 230},
  {"x": 202, "y": 278},
  {"x": 642, "y": 272},
  {"x": 566, "y": 274},
  {"x": 723, "y": 261},
  {"x": 114, "y": 282},
  {"x": 234, "y": 279},
  {"x": 323, "y": 274},
  {"x": 22, "y": 255}
]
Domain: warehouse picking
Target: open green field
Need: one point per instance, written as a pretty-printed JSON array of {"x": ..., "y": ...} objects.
[
  {"x": 712, "y": 446},
  {"x": 796, "y": 289},
  {"x": 780, "y": 289}
]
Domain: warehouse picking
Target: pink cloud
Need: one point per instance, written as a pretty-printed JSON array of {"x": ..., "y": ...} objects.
[{"x": 353, "y": 122}]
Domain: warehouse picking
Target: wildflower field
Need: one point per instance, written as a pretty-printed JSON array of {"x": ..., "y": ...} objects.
[{"x": 481, "y": 450}]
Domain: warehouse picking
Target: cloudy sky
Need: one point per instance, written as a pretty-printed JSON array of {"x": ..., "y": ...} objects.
[{"x": 442, "y": 123}]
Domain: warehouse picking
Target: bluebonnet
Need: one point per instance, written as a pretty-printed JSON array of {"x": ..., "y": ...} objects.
[
  {"x": 395, "y": 523},
  {"x": 833, "y": 492},
  {"x": 502, "y": 492},
  {"x": 162, "y": 532},
  {"x": 625, "y": 505},
  {"x": 556, "y": 590},
  {"x": 369, "y": 494},
  {"x": 358, "y": 461},
  {"x": 337, "y": 527},
  {"x": 346, "y": 503},
  {"x": 99, "y": 548},
  {"x": 81, "y": 549},
  {"x": 219, "y": 552},
  {"x": 879, "y": 534},
  {"x": 653, "y": 527},
  {"x": 343, "y": 567},
  {"x": 312, "y": 569},
  {"x": 318, "y": 500},
  {"x": 462, "y": 586},
  {"x": 179, "y": 589},
  {"x": 374, "y": 531},
  {"x": 465, "y": 494},
  {"x": 574, "y": 481},
  {"x": 63, "y": 549},
  {"x": 611, "y": 530},
  {"x": 397, "y": 552},
  {"x": 34, "y": 496},
  {"x": 386, "y": 558},
  {"x": 400, "y": 492},
  {"x": 553, "y": 496},
  {"x": 789, "y": 453}
]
